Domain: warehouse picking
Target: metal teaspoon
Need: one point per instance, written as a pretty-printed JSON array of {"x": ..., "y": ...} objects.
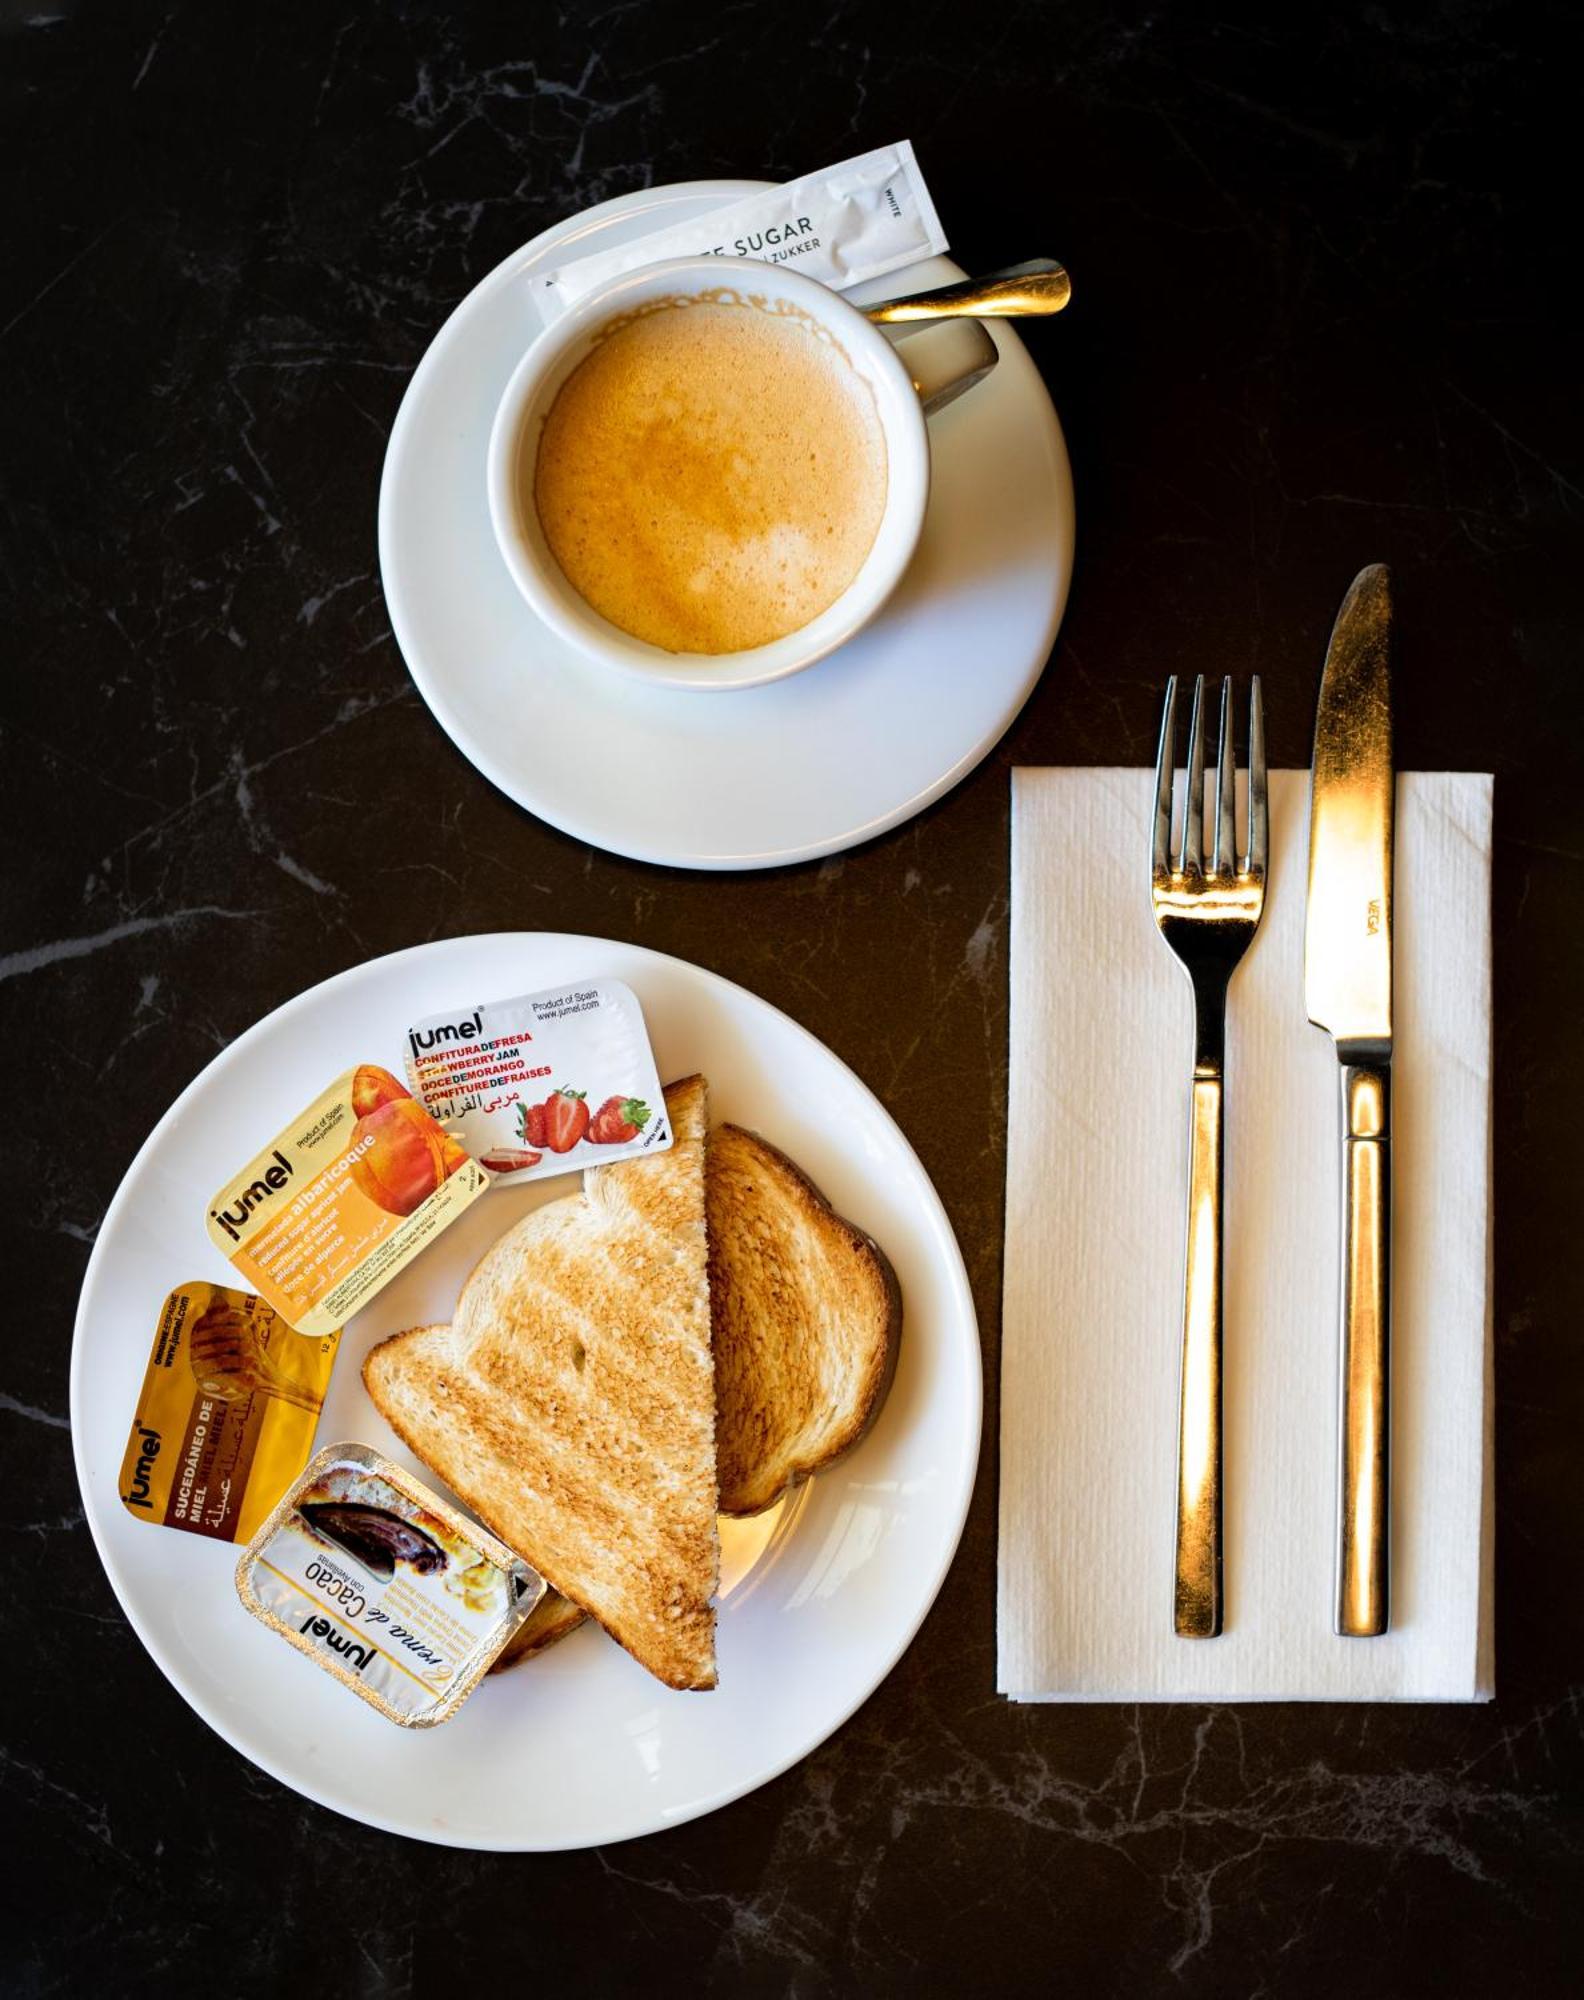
[{"x": 1035, "y": 289}]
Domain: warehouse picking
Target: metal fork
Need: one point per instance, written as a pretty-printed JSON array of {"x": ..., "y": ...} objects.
[{"x": 1207, "y": 915}]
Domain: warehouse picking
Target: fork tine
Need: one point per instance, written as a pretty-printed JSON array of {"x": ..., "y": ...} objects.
[
  {"x": 1226, "y": 790},
  {"x": 1193, "y": 816},
  {"x": 1160, "y": 852},
  {"x": 1259, "y": 811}
]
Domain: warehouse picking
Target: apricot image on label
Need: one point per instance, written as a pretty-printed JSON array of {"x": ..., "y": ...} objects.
[{"x": 342, "y": 1200}]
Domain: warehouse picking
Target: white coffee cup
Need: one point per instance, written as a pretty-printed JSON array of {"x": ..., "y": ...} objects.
[{"x": 909, "y": 380}]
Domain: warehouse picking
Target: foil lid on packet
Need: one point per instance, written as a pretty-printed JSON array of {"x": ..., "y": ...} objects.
[
  {"x": 840, "y": 226},
  {"x": 342, "y": 1200},
  {"x": 227, "y": 1413},
  {"x": 385, "y": 1585},
  {"x": 544, "y": 1083}
]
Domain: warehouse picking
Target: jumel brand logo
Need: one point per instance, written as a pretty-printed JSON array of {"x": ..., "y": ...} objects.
[
  {"x": 143, "y": 1471},
  {"x": 254, "y": 1196},
  {"x": 464, "y": 1030},
  {"x": 349, "y": 1649}
]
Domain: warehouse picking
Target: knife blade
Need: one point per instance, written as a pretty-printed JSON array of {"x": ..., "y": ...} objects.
[{"x": 1348, "y": 991}]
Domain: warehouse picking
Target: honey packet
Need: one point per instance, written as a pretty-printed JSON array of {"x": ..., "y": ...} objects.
[
  {"x": 227, "y": 1414},
  {"x": 342, "y": 1200},
  {"x": 385, "y": 1585}
]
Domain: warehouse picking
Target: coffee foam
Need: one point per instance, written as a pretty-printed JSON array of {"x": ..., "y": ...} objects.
[{"x": 712, "y": 475}]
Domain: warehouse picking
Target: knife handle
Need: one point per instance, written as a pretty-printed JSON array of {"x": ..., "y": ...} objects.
[
  {"x": 1364, "y": 1388},
  {"x": 1196, "y": 1600}
]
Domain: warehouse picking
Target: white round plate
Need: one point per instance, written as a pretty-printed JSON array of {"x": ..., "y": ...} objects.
[
  {"x": 760, "y": 776},
  {"x": 819, "y": 1596}
]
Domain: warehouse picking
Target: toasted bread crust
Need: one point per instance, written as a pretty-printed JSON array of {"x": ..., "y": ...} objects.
[
  {"x": 570, "y": 1404},
  {"x": 552, "y": 1618},
  {"x": 807, "y": 1317}
]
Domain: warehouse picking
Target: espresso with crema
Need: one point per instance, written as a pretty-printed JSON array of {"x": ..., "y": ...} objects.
[{"x": 711, "y": 476}]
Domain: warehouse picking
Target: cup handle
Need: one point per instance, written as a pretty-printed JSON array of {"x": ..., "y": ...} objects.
[{"x": 945, "y": 360}]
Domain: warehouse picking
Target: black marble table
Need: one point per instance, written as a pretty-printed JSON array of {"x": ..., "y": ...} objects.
[{"x": 1320, "y": 257}]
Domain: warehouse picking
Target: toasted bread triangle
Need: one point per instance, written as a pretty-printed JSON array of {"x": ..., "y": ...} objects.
[
  {"x": 807, "y": 1318},
  {"x": 808, "y": 1322},
  {"x": 571, "y": 1401}
]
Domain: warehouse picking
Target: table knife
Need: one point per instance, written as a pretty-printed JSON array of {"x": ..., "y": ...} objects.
[{"x": 1348, "y": 991}]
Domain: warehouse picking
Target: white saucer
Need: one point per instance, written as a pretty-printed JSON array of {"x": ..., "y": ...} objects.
[
  {"x": 819, "y": 1596},
  {"x": 762, "y": 776}
]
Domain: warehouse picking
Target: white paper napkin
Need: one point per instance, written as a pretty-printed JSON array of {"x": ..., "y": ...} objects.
[{"x": 1096, "y": 1187}]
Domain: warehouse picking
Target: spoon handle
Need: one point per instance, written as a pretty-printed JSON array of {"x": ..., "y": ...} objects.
[{"x": 1039, "y": 287}]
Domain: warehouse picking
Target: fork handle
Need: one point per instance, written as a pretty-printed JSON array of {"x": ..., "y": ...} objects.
[
  {"x": 1197, "y": 1607},
  {"x": 1364, "y": 1386}
]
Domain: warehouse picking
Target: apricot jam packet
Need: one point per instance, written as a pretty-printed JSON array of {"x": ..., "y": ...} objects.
[
  {"x": 383, "y": 1584},
  {"x": 226, "y": 1417},
  {"x": 544, "y": 1083},
  {"x": 342, "y": 1200}
]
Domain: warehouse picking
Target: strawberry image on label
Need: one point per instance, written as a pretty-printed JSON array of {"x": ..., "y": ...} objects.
[
  {"x": 566, "y": 1119},
  {"x": 618, "y": 1120}
]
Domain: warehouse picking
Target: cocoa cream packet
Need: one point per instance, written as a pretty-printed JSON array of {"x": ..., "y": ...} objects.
[{"x": 385, "y": 1585}]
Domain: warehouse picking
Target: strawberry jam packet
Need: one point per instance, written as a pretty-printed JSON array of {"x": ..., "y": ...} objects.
[
  {"x": 544, "y": 1083},
  {"x": 358, "y": 1183}
]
